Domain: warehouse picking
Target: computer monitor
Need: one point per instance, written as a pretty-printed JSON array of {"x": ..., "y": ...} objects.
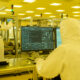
[
  {"x": 37, "y": 38},
  {"x": 58, "y": 37}
]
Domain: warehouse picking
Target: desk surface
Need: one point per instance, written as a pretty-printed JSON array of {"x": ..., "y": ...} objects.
[{"x": 16, "y": 65}]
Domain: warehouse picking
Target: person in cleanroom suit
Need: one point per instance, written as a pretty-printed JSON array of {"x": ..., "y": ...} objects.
[{"x": 64, "y": 60}]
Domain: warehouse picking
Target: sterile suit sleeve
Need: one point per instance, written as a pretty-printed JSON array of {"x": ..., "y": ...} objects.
[{"x": 52, "y": 66}]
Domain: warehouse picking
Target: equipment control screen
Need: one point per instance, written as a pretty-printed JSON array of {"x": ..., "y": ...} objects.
[{"x": 37, "y": 38}]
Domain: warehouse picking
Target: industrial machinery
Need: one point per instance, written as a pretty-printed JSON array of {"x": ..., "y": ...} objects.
[{"x": 8, "y": 32}]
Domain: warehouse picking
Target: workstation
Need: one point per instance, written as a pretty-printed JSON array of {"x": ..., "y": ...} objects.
[{"x": 29, "y": 33}]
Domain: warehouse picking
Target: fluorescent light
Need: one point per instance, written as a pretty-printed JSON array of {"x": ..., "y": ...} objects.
[
  {"x": 7, "y": 9},
  {"x": 29, "y": 1},
  {"x": 60, "y": 10},
  {"x": 30, "y": 11},
  {"x": 76, "y": 15},
  {"x": 21, "y": 14},
  {"x": 47, "y": 13},
  {"x": 52, "y": 16},
  {"x": 26, "y": 18},
  {"x": 55, "y": 4},
  {"x": 3, "y": 13},
  {"x": 18, "y": 6},
  {"x": 76, "y": 12},
  {"x": 38, "y": 15},
  {"x": 2, "y": 8},
  {"x": 75, "y": 6},
  {"x": 40, "y": 8},
  {"x": 64, "y": 17}
]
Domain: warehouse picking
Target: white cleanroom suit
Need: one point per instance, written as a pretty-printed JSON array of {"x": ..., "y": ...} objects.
[{"x": 64, "y": 60}]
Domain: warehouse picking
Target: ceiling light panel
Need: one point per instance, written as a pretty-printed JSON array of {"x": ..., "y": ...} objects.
[
  {"x": 40, "y": 8},
  {"x": 60, "y": 10},
  {"x": 56, "y": 4},
  {"x": 29, "y": 11},
  {"x": 52, "y": 16},
  {"x": 29, "y": 1},
  {"x": 26, "y": 18},
  {"x": 47, "y": 13},
  {"x": 76, "y": 7},
  {"x": 3, "y": 13},
  {"x": 2, "y": 8},
  {"x": 76, "y": 15},
  {"x": 21, "y": 14},
  {"x": 76, "y": 12},
  {"x": 38, "y": 15},
  {"x": 7, "y": 9},
  {"x": 17, "y": 6}
]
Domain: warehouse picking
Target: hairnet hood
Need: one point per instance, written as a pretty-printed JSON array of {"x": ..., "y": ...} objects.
[{"x": 70, "y": 30}]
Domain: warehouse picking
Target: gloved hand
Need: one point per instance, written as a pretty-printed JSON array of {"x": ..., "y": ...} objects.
[
  {"x": 38, "y": 60},
  {"x": 39, "y": 63}
]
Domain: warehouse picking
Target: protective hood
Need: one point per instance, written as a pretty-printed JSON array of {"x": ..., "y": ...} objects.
[
  {"x": 70, "y": 30},
  {"x": 64, "y": 60}
]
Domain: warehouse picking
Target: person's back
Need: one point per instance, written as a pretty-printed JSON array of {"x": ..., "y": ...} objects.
[
  {"x": 71, "y": 66},
  {"x": 65, "y": 60}
]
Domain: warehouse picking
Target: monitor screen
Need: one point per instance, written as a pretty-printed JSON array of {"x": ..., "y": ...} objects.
[
  {"x": 37, "y": 38},
  {"x": 58, "y": 36}
]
